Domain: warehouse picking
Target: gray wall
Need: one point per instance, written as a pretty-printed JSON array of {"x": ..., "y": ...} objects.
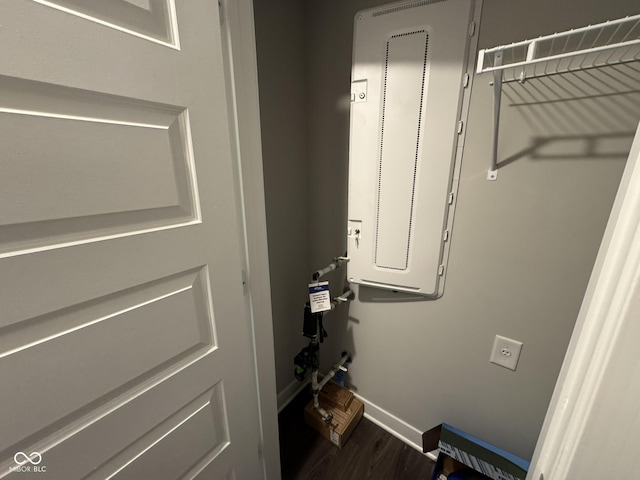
[
  {"x": 280, "y": 45},
  {"x": 522, "y": 247}
]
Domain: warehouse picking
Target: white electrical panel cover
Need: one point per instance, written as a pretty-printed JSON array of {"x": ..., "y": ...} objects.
[{"x": 410, "y": 79}]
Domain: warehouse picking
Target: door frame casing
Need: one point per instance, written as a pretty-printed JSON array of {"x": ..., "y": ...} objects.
[
  {"x": 240, "y": 59},
  {"x": 610, "y": 302},
  {"x": 610, "y": 288}
]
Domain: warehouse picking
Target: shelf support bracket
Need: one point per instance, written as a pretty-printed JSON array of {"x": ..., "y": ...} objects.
[{"x": 492, "y": 174}]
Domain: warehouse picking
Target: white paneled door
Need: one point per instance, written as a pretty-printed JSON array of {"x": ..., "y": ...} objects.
[{"x": 125, "y": 348}]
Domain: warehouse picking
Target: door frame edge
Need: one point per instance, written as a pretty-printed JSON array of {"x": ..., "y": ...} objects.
[
  {"x": 240, "y": 58},
  {"x": 606, "y": 306}
]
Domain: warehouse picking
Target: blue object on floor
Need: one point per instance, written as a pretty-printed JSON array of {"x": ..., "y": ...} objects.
[{"x": 466, "y": 475}]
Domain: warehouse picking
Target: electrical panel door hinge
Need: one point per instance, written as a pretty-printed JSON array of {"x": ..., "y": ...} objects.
[
  {"x": 460, "y": 127},
  {"x": 441, "y": 270},
  {"x": 472, "y": 29},
  {"x": 445, "y": 236},
  {"x": 451, "y": 198},
  {"x": 465, "y": 80}
]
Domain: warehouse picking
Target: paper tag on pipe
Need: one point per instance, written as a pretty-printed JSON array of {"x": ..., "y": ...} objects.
[
  {"x": 319, "y": 297},
  {"x": 335, "y": 438}
]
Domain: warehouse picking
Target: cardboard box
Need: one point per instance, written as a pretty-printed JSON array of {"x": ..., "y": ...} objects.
[
  {"x": 342, "y": 425},
  {"x": 335, "y": 396},
  {"x": 459, "y": 450}
]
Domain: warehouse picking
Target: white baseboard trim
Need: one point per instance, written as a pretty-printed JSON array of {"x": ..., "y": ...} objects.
[
  {"x": 392, "y": 424},
  {"x": 290, "y": 392},
  {"x": 372, "y": 412},
  {"x": 433, "y": 455}
]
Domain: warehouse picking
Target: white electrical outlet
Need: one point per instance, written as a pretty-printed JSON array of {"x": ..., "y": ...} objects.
[{"x": 506, "y": 352}]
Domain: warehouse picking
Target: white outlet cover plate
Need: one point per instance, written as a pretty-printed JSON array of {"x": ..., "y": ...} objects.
[{"x": 506, "y": 352}]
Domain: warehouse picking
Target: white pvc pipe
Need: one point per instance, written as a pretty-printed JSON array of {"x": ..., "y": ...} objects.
[
  {"x": 316, "y": 387},
  {"x": 331, "y": 373},
  {"x": 344, "y": 297},
  {"x": 337, "y": 262}
]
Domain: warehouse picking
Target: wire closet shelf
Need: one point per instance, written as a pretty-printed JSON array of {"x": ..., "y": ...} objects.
[{"x": 595, "y": 46}]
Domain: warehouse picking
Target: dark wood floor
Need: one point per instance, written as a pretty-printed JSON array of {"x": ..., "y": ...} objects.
[{"x": 370, "y": 452}]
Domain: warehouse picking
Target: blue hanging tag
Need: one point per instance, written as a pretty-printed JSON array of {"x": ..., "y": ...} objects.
[{"x": 319, "y": 297}]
